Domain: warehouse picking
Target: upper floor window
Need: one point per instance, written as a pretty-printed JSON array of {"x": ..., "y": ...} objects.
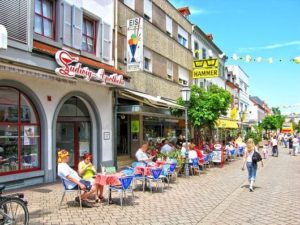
[
  {"x": 183, "y": 76},
  {"x": 89, "y": 35},
  {"x": 182, "y": 37},
  {"x": 147, "y": 60},
  {"x": 148, "y": 9},
  {"x": 44, "y": 18},
  {"x": 169, "y": 70},
  {"x": 130, "y": 3},
  {"x": 169, "y": 26},
  {"x": 203, "y": 53},
  {"x": 196, "y": 50}
]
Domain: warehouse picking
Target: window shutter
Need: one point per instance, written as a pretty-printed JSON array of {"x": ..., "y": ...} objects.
[
  {"x": 183, "y": 74},
  {"x": 148, "y": 8},
  {"x": 169, "y": 26},
  {"x": 67, "y": 24},
  {"x": 130, "y": 3},
  {"x": 169, "y": 68},
  {"x": 76, "y": 27},
  {"x": 14, "y": 16},
  {"x": 106, "y": 43}
]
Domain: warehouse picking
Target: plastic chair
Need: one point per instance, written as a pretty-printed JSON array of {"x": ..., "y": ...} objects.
[
  {"x": 206, "y": 161},
  {"x": 156, "y": 178},
  {"x": 172, "y": 171},
  {"x": 76, "y": 189},
  {"x": 123, "y": 188},
  {"x": 139, "y": 177},
  {"x": 195, "y": 166}
]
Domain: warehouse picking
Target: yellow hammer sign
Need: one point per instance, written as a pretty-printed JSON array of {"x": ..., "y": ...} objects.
[{"x": 206, "y": 68}]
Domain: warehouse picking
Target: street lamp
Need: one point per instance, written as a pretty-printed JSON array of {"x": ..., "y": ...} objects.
[{"x": 186, "y": 95}]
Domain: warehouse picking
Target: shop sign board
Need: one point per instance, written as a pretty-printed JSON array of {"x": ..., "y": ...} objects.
[
  {"x": 135, "y": 50},
  {"x": 205, "y": 68},
  {"x": 135, "y": 126},
  {"x": 70, "y": 67}
]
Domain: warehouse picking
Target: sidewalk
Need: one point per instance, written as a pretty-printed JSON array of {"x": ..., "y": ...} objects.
[{"x": 212, "y": 198}]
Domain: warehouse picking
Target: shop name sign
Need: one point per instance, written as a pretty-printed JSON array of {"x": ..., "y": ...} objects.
[
  {"x": 206, "y": 68},
  {"x": 69, "y": 69}
]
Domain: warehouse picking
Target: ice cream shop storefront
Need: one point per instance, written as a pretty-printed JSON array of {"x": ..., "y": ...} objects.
[{"x": 67, "y": 102}]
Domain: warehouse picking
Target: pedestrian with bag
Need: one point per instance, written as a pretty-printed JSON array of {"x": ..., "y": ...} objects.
[{"x": 251, "y": 157}]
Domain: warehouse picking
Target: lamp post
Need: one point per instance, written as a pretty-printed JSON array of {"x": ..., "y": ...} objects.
[{"x": 186, "y": 95}]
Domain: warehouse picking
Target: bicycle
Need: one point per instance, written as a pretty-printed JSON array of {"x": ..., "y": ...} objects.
[{"x": 13, "y": 209}]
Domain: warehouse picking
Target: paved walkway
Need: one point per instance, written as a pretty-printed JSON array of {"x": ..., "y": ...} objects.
[{"x": 219, "y": 197}]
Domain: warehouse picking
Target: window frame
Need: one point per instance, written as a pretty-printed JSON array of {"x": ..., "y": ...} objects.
[
  {"x": 20, "y": 125},
  {"x": 85, "y": 36},
  {"x": 149, "y": 64},
  {"x": 170, "y": 75},
  {"x": 53, "y": 19}
]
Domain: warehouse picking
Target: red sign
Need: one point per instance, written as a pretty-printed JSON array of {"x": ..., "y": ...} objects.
[{"x": 64, "y": 59}]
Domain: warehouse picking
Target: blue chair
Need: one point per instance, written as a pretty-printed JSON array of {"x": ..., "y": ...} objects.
[
  {"x": 138, "y": 177},
  {"x": 123, "y": 188},
  {"x": 241, "y": 151},
  {"x": 206, "y": 161},
  {"x": 155, "y": 178},
  {"x": 172, "y": 171},
  {"x": 76, "y": 190},
  {"x": 195, "y": 166},
  {"x": 232, "y": 154}
]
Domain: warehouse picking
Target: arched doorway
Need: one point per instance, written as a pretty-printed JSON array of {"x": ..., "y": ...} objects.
[{"x": 73, "y": 129}]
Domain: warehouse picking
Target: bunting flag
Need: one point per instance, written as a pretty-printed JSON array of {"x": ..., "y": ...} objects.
[{"x": 249, "y": 58}]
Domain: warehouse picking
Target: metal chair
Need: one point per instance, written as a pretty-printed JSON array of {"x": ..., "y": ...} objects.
[
  {"x": 195, "y": 166},
  {"x": 156, "y": 178},
  {"x": 76, "y": 190},
  {"x": 172, "y": 171},
  {"x": 122, "y": 189}
]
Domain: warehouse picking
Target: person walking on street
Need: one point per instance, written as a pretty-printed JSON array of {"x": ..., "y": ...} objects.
[
  {"x": 251, "y": 165},
  {"x": 295, "y": 145},
  {"x": 274, "y": 143}
]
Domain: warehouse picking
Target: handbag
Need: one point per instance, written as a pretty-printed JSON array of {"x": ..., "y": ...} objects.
[{"x": 256, "y": 157}]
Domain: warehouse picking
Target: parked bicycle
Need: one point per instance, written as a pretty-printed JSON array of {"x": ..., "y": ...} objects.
[{"x": 13, "y": 209}]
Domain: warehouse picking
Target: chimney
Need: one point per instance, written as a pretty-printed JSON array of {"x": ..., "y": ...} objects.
[
  {"x": 210, "y": 37},
  {"x": 185, "y": 11}
]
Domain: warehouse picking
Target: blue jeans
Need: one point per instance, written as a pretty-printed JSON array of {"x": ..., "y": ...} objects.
[{"x": 251, "y": 171}]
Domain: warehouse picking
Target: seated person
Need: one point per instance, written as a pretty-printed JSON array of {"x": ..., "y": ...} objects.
[
  {"x": 192, "y": 154},
  {"x": 166, "y": 148},
  {"x": 87, "y": 170},
  {"x": 183, "y": 149},
  {"x": 141, "y": 154},
  {"x": 72, "y": 179}
]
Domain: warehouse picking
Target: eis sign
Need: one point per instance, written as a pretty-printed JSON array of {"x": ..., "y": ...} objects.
[{"x": 65, "y": 60}]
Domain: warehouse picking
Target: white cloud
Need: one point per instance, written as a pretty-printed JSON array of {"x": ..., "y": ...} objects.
[
  {"x": 195, "y": 11},
  {"x": 273, "y": 46}
]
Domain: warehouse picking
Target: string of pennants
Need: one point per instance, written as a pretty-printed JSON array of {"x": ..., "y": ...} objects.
[{"x": 259, "y": 59}]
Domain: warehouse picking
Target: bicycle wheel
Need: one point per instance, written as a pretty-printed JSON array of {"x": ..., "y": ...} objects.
[{"x": 13, "y": 211}]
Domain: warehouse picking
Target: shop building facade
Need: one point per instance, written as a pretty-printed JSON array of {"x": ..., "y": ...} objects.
[
  {"x": 56, "y": 81},
  {"x": 167, "y": 66}
]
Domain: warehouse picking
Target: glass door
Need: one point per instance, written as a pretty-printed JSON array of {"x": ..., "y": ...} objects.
[{"x": 65, "y": 139}]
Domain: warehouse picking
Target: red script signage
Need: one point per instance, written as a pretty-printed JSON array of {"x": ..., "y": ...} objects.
[{"x": 64, "y": 59}]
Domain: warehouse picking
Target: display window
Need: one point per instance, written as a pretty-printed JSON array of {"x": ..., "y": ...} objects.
[{"x": 19, "y": 133}]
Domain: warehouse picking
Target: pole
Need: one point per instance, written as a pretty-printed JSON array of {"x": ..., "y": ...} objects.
[
  {"x": 186, "y": 166},
  {"x": 116, "y": 34}
]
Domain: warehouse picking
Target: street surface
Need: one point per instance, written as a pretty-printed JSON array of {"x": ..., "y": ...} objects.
[{"x": 221, "y": 196}]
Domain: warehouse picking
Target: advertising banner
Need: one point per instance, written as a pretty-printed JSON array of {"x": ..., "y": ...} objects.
[
  {"x": 205, "y": 68},
  {"x": 135, "y": 44}
]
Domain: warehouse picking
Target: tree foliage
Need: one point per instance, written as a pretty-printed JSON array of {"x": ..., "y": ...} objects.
[{"x": 205, "y": 106}]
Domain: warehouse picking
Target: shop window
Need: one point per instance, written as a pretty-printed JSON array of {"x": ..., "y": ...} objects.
[
  {"x": 88, "y": 35},
  {"x": 44, "y": 18},
  {"x": 19, "y": 133}
]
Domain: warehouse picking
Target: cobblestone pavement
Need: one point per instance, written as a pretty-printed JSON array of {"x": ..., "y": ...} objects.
[{"x": 220, "y": 196}]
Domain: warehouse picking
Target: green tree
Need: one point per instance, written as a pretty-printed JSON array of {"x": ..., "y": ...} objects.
[
  {"x": 205, "y": 107},
  {"x": 269, "y": 123}
]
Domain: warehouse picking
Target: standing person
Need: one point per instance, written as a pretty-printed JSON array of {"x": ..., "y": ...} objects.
[
  {"x": 295, "y": 145},
  {"x": 166, "y": 148},
  {"x": 274, "y": 146},
  {"x": 251, "y": 166},
  {"x": 285, "y": 140}
]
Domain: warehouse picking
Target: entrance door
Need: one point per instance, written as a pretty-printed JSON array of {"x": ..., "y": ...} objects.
[{"x": 73, "y": 130}]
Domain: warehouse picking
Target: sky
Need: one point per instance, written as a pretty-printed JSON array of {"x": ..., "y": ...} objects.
[{"x": 259, "y": 28}]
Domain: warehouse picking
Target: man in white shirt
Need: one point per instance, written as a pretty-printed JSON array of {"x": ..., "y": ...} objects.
[
  {"x": 274, "y": 146},
  {"x": 141, "y": 155}
]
